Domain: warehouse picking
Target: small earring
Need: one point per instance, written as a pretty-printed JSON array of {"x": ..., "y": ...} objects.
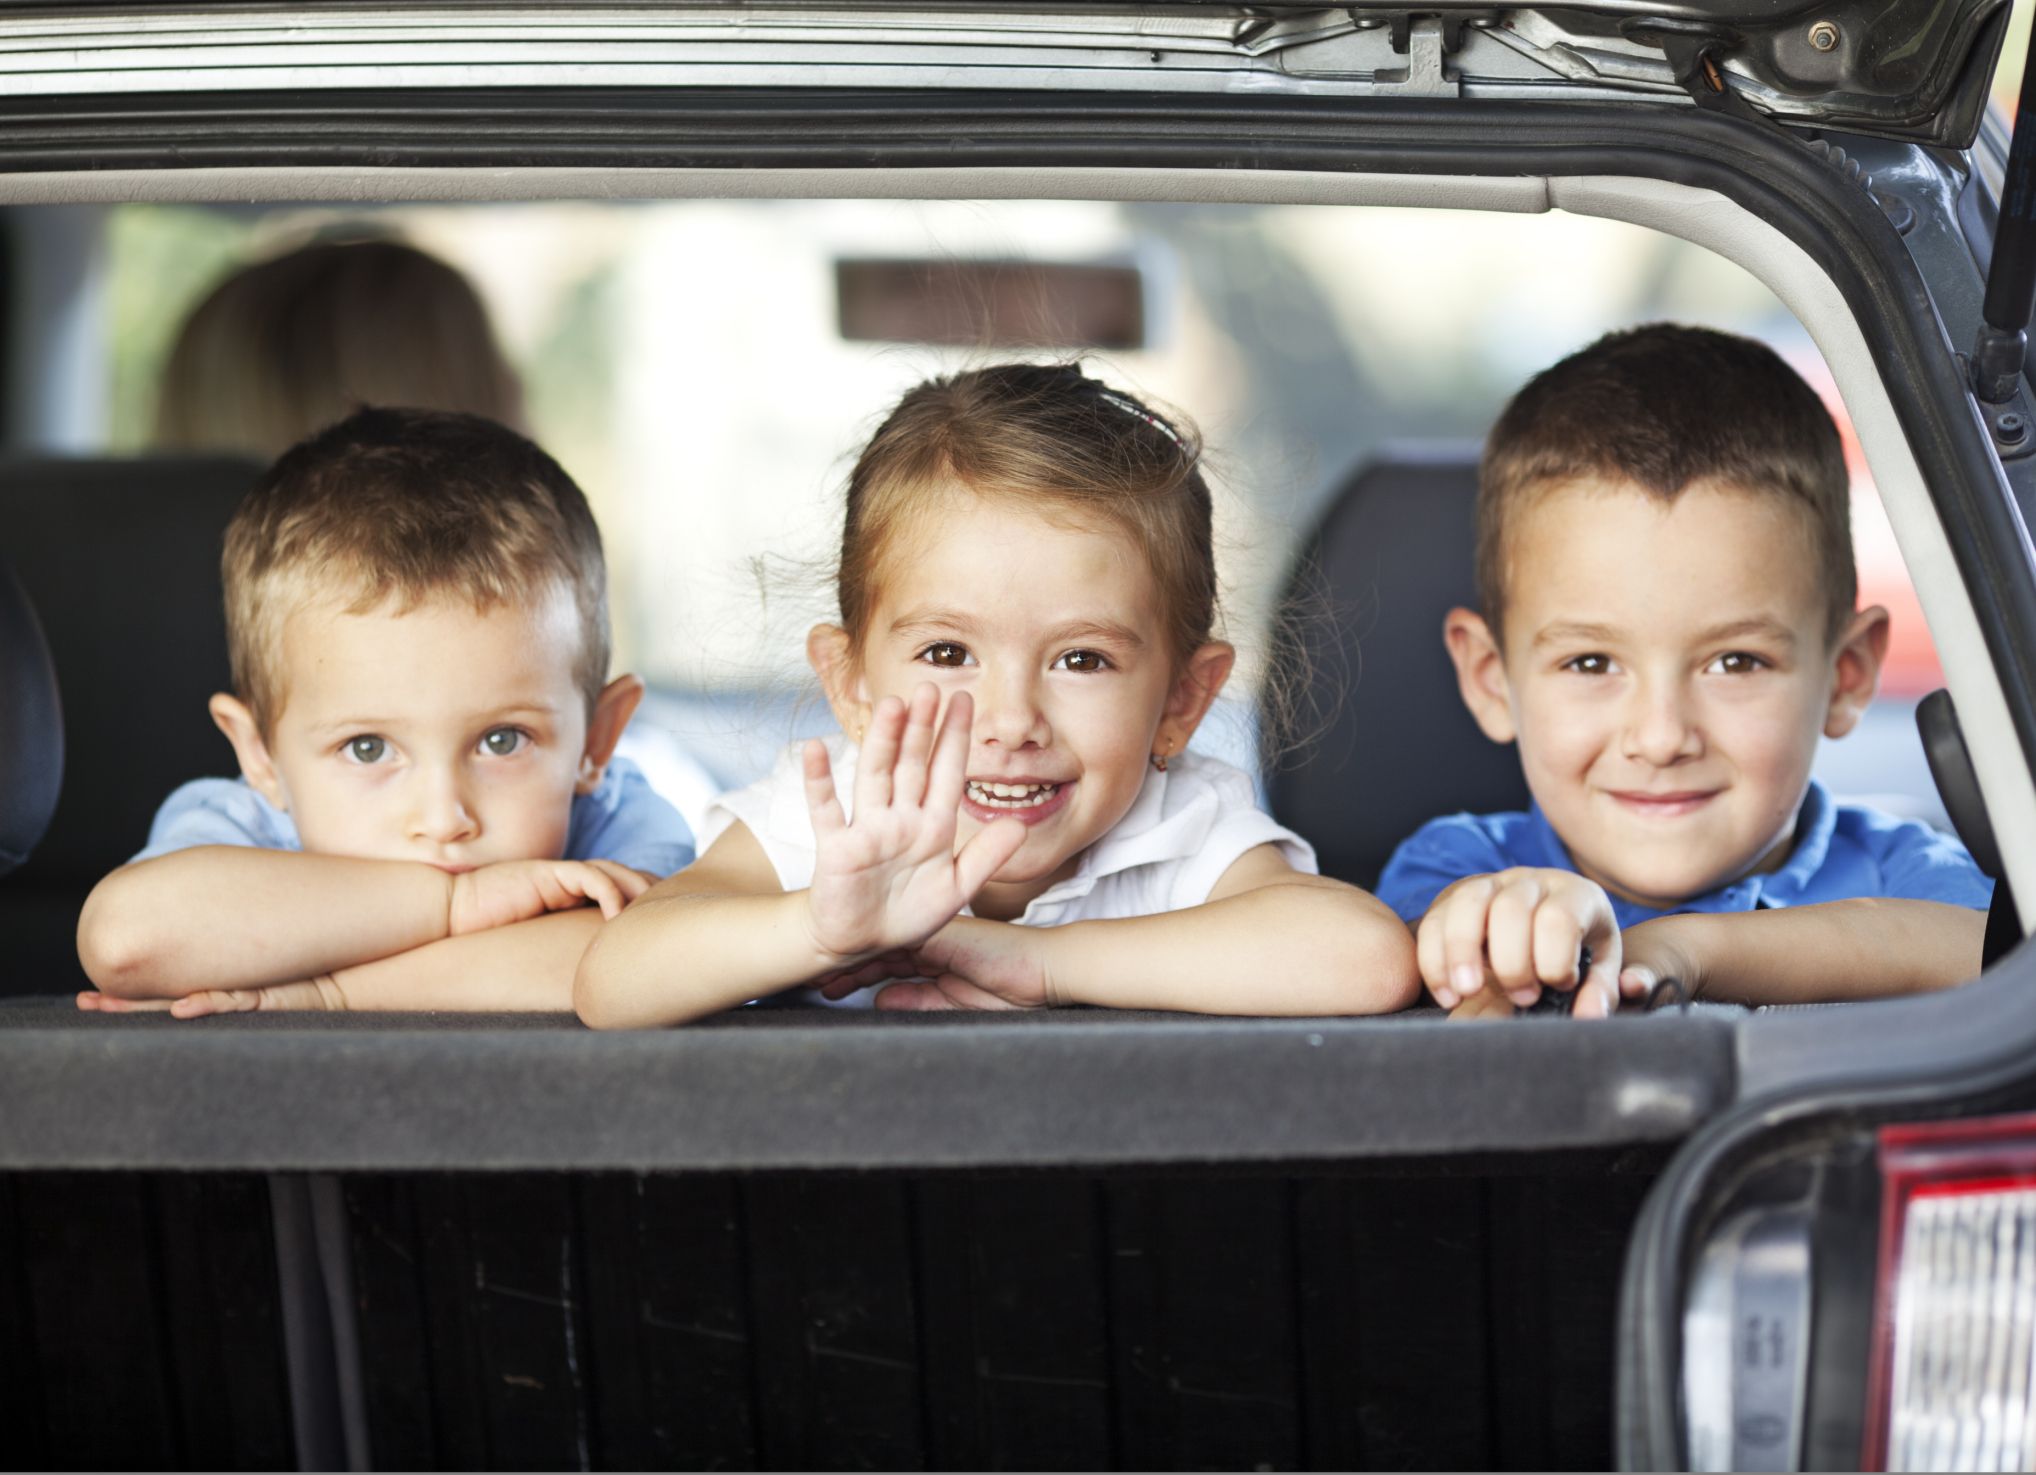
[{"x": 1159, "y": 761}]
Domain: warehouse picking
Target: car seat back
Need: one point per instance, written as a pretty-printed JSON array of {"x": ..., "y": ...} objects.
[
  {"x": 1384, "y": 741},
  {"x": 121, "y": 560},
  {"x": 31, "y": 726}
]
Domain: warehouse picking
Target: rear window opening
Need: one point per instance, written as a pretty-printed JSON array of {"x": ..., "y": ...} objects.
[{"x": 706, "y": 368}]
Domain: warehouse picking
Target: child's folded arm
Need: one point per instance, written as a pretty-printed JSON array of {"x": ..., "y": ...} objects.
[
  {"x": 225, "y": 917},
  {"x": 712, "y": 937},
  {"x": 526, "y": 965},
  {"x": 1270, "y": 940},
  {"x": 1827, "y": 952},
  {"x": 1294, "y": 945},
  {"x": 235, "y": 916}
]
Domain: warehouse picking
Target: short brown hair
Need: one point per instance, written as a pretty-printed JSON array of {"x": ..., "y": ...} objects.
[
  {"x": 1050, "y": 436},
  {"x": 406, "y": 505},
  {"x": 1664, "y": 407}
]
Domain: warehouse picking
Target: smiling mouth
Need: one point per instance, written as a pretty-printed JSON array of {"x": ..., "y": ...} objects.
[
  {"x": 1666, "y": 806},
  {"x": 1013, "y": 798}
]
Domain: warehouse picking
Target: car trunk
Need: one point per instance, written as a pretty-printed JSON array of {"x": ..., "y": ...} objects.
[{"x": 1092, "y": 1239}]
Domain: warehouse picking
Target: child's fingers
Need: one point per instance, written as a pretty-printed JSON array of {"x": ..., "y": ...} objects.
[
  {"x": 217, "y": 1001},
  {"x": 1463, "y": 936},
  {"x": 908, "y": 780},
  {"x": 631, "y": 883},
  {"x": 1429, "y": 959},
  {"x": 1637, "y": 981},
  {"x": 951, "y": 758},
  {"x": 591, "y": 883},
  {"x": 821, "y": 800},
  {"x": 987, "y": 853},
  {"x": 1558, "y": 943},
  {"x": 1509, "y": 939},
  {"x": 965, "y": 993},
  {"x": 1486, "y": 1004},
  {"x": 1598, "y": 992},
  {"x": 880, "y": 969},
  {"x": 879, "y": 756},
  {"x": 92, "y": 1001},
  {"x": 922, "y": 997}
]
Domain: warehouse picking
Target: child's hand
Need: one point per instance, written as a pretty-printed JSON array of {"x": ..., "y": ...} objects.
[
  {"x": 313, "y": 993},
  {"x": 1521, "y": 930},
  {"x": 92, "y": 1001},
  {"x": 891, "y": 879},
  {"x": 1659, "y": 950},
  {"x": 517, "y": 890},
  {"x": 968, "y": 964}
]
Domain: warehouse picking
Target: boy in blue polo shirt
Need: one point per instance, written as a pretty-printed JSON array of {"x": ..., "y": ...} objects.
[{"x": 1665, "y": 565}]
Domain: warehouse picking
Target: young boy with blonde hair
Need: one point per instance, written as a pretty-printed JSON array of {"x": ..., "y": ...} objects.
[
  {"x": 429, "y": 814},
  {"x": 1665, "y": 566}
]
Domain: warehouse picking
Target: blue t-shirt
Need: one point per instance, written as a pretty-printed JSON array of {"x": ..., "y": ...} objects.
[
  {"x": 1842, "y": 851},
  {"x": 623, "y": 820}
]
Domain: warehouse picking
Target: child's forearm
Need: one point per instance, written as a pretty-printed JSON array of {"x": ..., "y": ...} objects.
[
  {"x": 1308, "y": 946},
  {"x": 226, "y": 916},
  {"x": 678, "y": 955},
  {"x": 1865, "y": 948},
  {"x": 523, "y": 966}
]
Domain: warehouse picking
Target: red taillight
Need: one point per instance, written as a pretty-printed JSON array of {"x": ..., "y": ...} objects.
[{"x": 1953, "y": 1382}]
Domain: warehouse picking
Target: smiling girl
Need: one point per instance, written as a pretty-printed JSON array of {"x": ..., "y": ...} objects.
[{"x": 1011, "y": 819}]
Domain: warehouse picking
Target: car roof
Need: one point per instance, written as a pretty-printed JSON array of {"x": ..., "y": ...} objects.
[{"x": 1887, "y": 67}]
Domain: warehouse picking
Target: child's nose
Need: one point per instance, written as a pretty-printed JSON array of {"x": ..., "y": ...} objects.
[
  {"x": 1008, "y": 712},
  {"x": 442, "y": 814},
  {"x": 1661, "y": 727}
]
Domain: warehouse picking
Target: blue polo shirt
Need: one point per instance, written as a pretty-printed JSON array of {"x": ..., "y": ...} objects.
[{"x": 1842, "y": 851}]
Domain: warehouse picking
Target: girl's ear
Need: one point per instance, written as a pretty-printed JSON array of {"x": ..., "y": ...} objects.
[
  {"x": 612, "y": 710},
  {"x": 232, "y": 717},
  {"x": 1855, "y": 670},
  {"x": 1202, "y": 677},
  {"x": 1480, "y": 672},
  {"x": 831, "y": 654}
]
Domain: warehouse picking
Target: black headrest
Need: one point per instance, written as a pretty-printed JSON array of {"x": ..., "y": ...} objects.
[
  {"x": 1361, "y": 616},
  {"x": 31, "y": 727},
  {"x": 121, "y": 559}
]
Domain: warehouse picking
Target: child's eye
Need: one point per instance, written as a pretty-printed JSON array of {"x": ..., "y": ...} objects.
[
  {"x": 945, "y": 653},
  {"x": 1083, "y": 660},
  {"x": 1737, "y": 663},
  {"x": 1590, "y": 665},
  {"x": 366, "y": 749},
  {"x": 500, "y": 742}
]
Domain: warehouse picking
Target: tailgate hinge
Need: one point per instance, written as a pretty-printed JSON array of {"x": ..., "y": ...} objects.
[{"x": 1425, "y": 41}]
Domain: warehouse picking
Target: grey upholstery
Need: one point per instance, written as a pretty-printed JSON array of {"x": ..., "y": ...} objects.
[
  {"x": 31, "y": 727},
  {"x": 1361, "y": 617},
  {"x": 121, "y": 560}
]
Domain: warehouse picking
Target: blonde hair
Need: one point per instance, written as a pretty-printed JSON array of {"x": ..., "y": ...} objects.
[
  {"x": 407, "y": 505},
  {"x": 286, "y": 347},
  {"x": 1048, "y": 436}
]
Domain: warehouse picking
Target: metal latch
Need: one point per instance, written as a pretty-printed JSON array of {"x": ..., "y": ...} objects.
[{"x": 1426, "y": 43}]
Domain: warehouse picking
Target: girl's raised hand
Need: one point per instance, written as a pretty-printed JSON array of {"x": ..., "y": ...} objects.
[{"x": 891, "y": 878}]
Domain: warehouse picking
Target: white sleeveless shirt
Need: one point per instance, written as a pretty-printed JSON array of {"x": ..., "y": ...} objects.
[{"x": 1184, "y": 830}]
